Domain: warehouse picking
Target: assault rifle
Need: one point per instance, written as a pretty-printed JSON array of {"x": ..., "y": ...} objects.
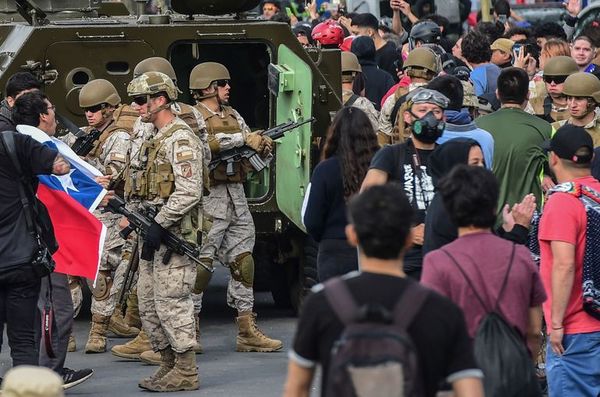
[
  {"x": 132, "y": 267},
  {"x": 141, "y": 222},
  {"x": 234, "y": 155},
  {"x": 85, "y": 142}
]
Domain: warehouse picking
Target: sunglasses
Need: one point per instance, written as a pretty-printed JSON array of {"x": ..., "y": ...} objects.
[
  {"x": 141, "y": 100},
  {"x": 222, "y": 83},
  {"x": 94, "y": 109},
  {"x": 556, "y": 79},
  {"x": 269, "y": 8}
]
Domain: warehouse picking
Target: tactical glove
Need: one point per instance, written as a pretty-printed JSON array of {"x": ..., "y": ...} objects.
[
  {"x": 267, "y": 146},
  {"x": 255, "y": 141},
  {"x": 152, "y": 241}
]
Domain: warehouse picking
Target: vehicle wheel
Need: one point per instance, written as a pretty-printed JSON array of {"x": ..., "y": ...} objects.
[{"x": 307, "y": 273}]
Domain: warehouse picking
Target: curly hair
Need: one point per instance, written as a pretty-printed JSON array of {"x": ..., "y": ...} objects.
[
  {"x": 352, "y": 139},
  {"x": 493, "y": 30},
  {"x": 549, "y": 30},
  {"x": 476, "y": 47},
  {"x": 514, "y": 31}
]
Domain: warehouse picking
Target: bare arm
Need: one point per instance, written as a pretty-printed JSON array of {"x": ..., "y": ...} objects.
[
  {"x": 468, "y": 387},
  {"x": 563, "y": 275},
  {"x": 534, "y": 330},
  {"x": 374, "y": 177},
  {"x": 298, "y": 381},
  {"x": 60, "y": 166}
]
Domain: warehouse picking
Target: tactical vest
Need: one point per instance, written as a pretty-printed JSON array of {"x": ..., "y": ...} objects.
[
  {"x": 125, "y": 117},
  {"x": 228, "y": 124},
  {"x": 97, "y": 150},
  {"x": 400, "y": 131},
  {"x": 152, "y": 180},
  {"x": 188, "y": 116}
]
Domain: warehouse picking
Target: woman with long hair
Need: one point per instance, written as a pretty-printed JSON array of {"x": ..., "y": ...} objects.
[{"x": 350, "y": 144}]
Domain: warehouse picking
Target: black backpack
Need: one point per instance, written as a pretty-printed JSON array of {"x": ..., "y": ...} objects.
[
  {"x": 374, "y": 356},
  {"x": 499, "y": 349}
]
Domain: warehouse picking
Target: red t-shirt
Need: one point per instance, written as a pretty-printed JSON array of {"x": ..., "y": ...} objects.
[{"x": 564, "y": 219}]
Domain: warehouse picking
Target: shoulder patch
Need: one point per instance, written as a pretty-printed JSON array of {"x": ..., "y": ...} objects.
[{"x": 117, "y": 157}]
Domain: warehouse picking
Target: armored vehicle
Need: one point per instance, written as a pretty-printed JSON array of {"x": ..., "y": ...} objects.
[{"x": 66, "y": 43}]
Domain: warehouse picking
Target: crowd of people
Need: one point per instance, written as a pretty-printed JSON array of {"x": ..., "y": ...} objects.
[{"x": 457, "y": 191}]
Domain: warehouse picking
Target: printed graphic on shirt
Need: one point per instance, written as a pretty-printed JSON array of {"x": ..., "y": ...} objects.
[{"x": 418, "y": 187}]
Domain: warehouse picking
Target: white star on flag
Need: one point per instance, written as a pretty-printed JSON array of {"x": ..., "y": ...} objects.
[{"x": 66, "y": 181}]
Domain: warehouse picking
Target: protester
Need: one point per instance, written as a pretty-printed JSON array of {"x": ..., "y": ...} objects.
[
  {"x": 502, "y": 54},
  {"x": 458, "y": 121},
  {"x": 518, "y": 34},
  {"x": 17, "y": 84},
  {"x": 491, "y": 30},
  {"x": 385, "y": 51},
  {"x": 380, "y": 228},
  {"x": 572, "y": 364},
  {"x": 31, "y": 381},
  {"x": 553, "y": 48},
  {"x": 377, "y": 81},
  {"x": 583, "y": 52},
  {"x": 547, "y": 31},
  {"x": 328, "y": 34},
  {"x": 350, "y": 145},
  {"x": 518, "y": 158},
  {"x": 270, "y": 8},
  {"x": 477, "y": 52},
  {"x": 407, "y": 163}
]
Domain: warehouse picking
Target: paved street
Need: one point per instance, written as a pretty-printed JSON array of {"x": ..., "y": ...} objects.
[{"x": 223, "y": 372}]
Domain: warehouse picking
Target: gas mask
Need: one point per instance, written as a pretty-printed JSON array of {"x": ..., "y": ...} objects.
[{"x": 428, "y": 128}]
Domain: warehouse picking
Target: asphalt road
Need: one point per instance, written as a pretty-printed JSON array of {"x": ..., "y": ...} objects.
[{"x": 223, "y": 372}]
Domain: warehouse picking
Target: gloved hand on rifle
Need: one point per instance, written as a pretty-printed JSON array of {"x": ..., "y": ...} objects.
[
  {"x": 262, "y": 144},
  {"x": 152, "y": 241}
]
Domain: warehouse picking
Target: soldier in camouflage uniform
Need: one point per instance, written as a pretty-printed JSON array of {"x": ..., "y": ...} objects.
[
  {"x": 231, "y": 236},
  {"x": 583, "y": 97},
  {"x": 101, "y": 103},
  {"x": 350, "y": 69},
  {"x": 166, "y": 175},
  {"x": 140, "y": 348}
]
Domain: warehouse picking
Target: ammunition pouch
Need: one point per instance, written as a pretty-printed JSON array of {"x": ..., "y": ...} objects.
[
  {"x": 191, "y": 226},
  {"x": 203, "y": 276},
  {"x": 104, "y": 282},
  {"x": 242, "y": 269}
]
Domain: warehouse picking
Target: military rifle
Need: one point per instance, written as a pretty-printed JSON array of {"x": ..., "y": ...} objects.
[
  {"x": 132, "y": 266},
  {"x": 141, "y": 223},
  {"x": 234, "y": 155},
  {"x": 85, "y": 142}
]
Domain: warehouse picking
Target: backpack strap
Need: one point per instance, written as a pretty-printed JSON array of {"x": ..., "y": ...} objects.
[
  {"x": 341, "y": 300},
  {"x": 409, "y": 304},
  {"x": 351, "y": 100}
]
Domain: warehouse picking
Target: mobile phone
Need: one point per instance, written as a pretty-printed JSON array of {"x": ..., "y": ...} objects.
[
  {"x": 289, "y": 12},
  {"x": 502, "y": 19}
]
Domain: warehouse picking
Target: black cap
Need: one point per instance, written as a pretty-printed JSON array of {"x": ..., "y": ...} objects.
[{"x": 567, "y": 140}]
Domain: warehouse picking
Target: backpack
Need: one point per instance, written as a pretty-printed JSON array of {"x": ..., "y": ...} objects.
[
  {"x": 499, "y": 349},
  {"x": 591, "y": 257},
  {"x": 374, "y": 356}
]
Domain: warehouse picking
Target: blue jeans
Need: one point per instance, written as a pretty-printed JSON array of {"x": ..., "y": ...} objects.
[{"x": 577, "y": 372}]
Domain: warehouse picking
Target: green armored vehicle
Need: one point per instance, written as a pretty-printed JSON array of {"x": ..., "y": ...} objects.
[{"x": 66, "y": 43}]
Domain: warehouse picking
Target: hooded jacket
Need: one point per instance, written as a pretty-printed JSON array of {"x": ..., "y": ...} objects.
[{"x": 377, "y": 81}]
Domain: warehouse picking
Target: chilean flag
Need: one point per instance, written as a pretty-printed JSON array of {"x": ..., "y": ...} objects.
[{"x": 70, "y": 200}]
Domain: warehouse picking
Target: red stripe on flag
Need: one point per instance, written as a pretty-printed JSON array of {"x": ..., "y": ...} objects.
[{"x": 80, "y": 235}]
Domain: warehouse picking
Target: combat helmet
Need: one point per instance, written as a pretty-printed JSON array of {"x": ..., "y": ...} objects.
[
  {"x": 150, "y": 83},
  {"x": 155, "y": 64},
  {"x": 426, "y": 32},
  {"x": 582, "y": 84},
  {"x": 97, "y": 92},
  {"x": 203, "y": 74},
  {"x": 422, "y": 62},
  {"x": 560, "y": 66}
]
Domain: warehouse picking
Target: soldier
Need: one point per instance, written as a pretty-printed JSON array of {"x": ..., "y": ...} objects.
[
  {"x": 100, "y": 102},
  {"x": 350, "y": 69},
  {"x": 583, "y": 97},
  {"x": 139, "y": 348},
  {"x": 551, "y": 103},
  {"x": 232, "y": 233},
  {"x": 421, "y": 66},
  {"x": 167, "y": 176}
]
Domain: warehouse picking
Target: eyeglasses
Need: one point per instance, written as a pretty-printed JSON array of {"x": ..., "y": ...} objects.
[
  {"x": 140, "y": 100},
  {"x": 425, "y": 95},
  {"x": 222, "y": 83},
  {"x": 94, "y": 109},
  {"x": 556, "y": 79}
]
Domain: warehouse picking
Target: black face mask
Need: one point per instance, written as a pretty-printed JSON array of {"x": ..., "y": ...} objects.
[{"x": 428, "y": 128}]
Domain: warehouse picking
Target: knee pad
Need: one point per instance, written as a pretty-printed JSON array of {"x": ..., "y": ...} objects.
[
  {"x": 242, "y": 269},
  {"x": 203, "y": 276},
  {"x": 104, "y": 283}
]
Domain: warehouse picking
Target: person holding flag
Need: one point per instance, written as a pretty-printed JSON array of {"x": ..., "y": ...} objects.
[{"x": 70, "y": 200}]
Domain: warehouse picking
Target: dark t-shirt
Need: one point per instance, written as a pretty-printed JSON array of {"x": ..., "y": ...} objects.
[
  {"x": 385, "y": 58},
  {"x": 416, "y": 182},
  {"x": 438, "y": 330},
  {"x": 16, "y": 245}
]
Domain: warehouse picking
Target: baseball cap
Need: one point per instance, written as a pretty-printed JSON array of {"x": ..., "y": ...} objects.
[
  {"x": 504, "y": 45},
  {"x": 567, "y": 140}
]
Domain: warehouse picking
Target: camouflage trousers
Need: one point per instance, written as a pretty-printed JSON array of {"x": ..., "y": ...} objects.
[
  {"x": 231, "y": 234},
  {"x": 165, "y": 301}
]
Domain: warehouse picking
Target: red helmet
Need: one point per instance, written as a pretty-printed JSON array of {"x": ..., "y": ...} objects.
[
  {"x": 346, "y": 43},
  {"x": 328, "y": 32}
]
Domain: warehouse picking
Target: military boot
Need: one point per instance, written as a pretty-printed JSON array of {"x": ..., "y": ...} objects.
[
  {"x": 72, "y": 346},
  {"x": 97, "y": 340},
  {"x": 198, "y": 346},
  {"x": 252, "y": 339},
  {"x": 132, "y": 313},
  {"x": 167, "y": 362},
  {"x": 133, "y": 348},
  {"x": 119, "y": 327},
  {"x": 183, "y": 376},
  {"x": 150, "y": 357}
]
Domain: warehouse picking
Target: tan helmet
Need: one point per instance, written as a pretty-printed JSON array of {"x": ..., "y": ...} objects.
[
  {"x": 422, "y": 58},
  {"x": 582, "y": 84},
  {"x": 151, "y": 83},
  {"x": 97, "y": 92},
  {"x": 350, "y": 62},
  {"x": 155, "y": 64},
  {"x": 560, "y": 66},
  {"x": 203, "y": 74}
]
